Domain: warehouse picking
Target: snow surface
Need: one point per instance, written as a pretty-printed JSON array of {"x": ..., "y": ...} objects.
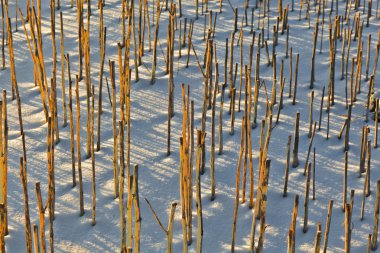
[{"x": 158, "y": 179}]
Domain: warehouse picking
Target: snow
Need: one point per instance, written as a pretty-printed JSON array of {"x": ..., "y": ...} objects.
[{"x": 158, "y": 174}]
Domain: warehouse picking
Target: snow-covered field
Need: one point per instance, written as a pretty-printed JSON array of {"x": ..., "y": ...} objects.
[{"x": 159, "y": 173}]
